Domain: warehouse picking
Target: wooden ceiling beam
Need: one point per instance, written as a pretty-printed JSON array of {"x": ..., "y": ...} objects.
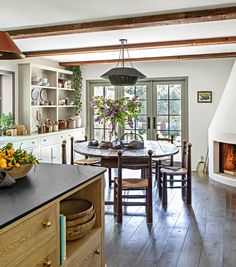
[
  {"x": 198, "y": 16},
  {"x": 148, "y": 59},
  {"x": 137, "y": 46}
]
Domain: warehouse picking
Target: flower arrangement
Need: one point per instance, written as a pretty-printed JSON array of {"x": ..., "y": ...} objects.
[
  {"x": 122, "y": 111},
  {"x": 10, "y": 158}
]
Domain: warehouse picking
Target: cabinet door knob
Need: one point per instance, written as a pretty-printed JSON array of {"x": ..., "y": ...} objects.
[
  {"x": 47, "y": 263},
  {"x": 47, "y": 224},
  {"x": 97, "y": 252}
]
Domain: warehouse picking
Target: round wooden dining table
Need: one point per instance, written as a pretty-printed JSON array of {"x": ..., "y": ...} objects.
[{"x": 109, "y": 155}]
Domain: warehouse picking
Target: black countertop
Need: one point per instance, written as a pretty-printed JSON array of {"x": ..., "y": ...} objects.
[{"x": 47, "y": 183}]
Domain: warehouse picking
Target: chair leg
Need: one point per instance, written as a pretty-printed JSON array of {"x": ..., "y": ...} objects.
[
  {"x": 189, "y": 190},
  {"x": 149, "y": 205},
  {"x": 119, "y": 204},
  {"x": 156, "y": 171},
  {"x": 164, "y": 191},
  {"x": 109, "y": 176},
  {"x": 184, "y": 187},
  {"x": 171, "y": 180},
  {"x": 115, "y": 198},
  {"x": 160, "y": 185}
]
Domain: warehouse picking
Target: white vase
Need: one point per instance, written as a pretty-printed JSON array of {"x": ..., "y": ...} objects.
[{"x": 77, "y": 120}]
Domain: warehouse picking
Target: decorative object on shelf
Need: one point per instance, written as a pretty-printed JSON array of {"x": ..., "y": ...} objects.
[
  {"x": 16, "y": 163},
  {"x": 34, "y": 94},
  {"x": 8, "y": 49},
  {"x": 6, "y": 121},
  {"x": 204, "y": 96},
  {"x": 78, "y": 120},
  {"x": 54, "y": 126},
  {"x": 20, "y": 129},
  {"x": 44, "y": 94},
  {"x": 71, "y": 124},
  {"x": 115, "y": 112},
  {"x": 77, "y": 78},
  {"x": 122, "y": 75},
  {"x": 63, "y": 124}
]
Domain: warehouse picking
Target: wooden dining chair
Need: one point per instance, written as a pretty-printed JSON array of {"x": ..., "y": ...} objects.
[
  {"x": 162, "y": 161},
  {"x": 182, "y": 176},
  {"x": 85, "y": 161},
  {"x": 122, "y": 184}
]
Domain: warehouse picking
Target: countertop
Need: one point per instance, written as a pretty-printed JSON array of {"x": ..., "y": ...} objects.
[
  {"x": 5, "y": 139},
  {"x": 39, "y": 187}
]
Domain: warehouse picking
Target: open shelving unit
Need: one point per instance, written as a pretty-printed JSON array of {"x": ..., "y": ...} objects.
[
  {"x": 89, "y": 249},
  {"x": 53, "y": 92}
]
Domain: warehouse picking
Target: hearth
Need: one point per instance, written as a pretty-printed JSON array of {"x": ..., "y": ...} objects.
[{"x": 227, "y": 158}]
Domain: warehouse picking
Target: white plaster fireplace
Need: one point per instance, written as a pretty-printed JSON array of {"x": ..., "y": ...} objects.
[{"x": 222, "y": 131}]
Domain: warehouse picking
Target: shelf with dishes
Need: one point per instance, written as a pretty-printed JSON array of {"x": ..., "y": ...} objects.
[{"x": 43, "y": 87}]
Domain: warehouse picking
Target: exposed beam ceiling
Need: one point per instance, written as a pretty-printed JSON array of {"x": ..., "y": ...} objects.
[
  {"x": 146, "y": 59},
  {"x": 112, "y": 48},
  {"x": 128, "y": 23}
]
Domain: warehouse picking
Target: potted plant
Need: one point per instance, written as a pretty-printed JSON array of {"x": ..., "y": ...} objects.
[
  {"x": 121, "y": 112},
  {"x": 6, "y": 121},
  {"x": 77, "y": 78}
]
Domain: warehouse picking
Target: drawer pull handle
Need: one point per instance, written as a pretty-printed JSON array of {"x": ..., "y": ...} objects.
[
  {"x": 47, "y": 224},
  {"x": 97, "y": 252},
  {"x": 44, "y": 140},
  {"x": 33, "y": 142},
  {"x": 47, "y": 263}
]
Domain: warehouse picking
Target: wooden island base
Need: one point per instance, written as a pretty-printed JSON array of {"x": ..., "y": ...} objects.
[{"x": 34, "y": 239}]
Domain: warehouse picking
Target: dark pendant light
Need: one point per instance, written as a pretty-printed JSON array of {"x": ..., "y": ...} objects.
[
  {"x": 122, "y": 75},
  {"x": 8, "y": 49}
]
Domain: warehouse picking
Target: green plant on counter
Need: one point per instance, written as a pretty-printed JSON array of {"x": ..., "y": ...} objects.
[
  {"x": 6, "y": 120},
  {"x": 77, "y": 77}
]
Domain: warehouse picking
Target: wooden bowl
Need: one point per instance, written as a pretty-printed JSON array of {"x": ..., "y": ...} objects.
[
  {"x": 79, "y": 231},
  {"x": 76, "y": 208},
  {"x": 82, "y": 220},
  {"x": 17, "y": 173}
]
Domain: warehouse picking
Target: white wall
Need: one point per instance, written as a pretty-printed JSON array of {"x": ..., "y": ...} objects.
[{"x": 210, "y": 75}]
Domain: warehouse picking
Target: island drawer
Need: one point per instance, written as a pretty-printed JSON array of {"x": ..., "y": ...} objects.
[
  {"x": 22, "y": 237},
  {"x": 46, "y": 255},
  {"x": 90, "y": 254}
]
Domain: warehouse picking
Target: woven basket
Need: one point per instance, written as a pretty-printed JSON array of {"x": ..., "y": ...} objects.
[
  {"x": 76, "y": 208},
  {"x": 17, "y": 173},
  {"x": 82, "y": 220},
  {"x": 78, "y": 231}
]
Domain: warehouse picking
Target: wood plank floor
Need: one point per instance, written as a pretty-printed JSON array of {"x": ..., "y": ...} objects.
[{"x": 202, "y": 235}]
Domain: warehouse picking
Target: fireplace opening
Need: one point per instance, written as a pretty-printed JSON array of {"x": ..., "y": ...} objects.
[{"x": 228, "y": 158}]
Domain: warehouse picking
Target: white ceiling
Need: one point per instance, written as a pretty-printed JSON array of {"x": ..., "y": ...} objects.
[{"x": 28, "y": 13}]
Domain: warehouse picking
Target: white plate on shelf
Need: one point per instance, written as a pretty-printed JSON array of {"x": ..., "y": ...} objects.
[
  {"x": 34, "y": 94},
  {"x": 44, "y": 95}
]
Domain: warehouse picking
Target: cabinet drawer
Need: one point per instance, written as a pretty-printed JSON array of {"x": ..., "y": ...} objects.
[
  {"x": 50, "y": 140},
  {"x": 90, "y": 254},
  {"x": 47, "y": 255},
  {"x": 19, "y": 239},
  {"x": 27, "y": 143}
]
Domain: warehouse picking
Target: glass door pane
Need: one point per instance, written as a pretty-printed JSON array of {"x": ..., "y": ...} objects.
[
  {"x": 140, "y": 124},
  {"x": 100, "y": 131},
  {"x": 169, "y": 110}
]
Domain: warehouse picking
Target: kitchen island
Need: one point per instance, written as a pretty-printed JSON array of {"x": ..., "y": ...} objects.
[{"x": 29, "y": 217}]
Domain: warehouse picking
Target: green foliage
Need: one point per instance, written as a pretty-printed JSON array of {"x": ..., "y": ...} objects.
[
  {"x": 77, "y": 77},
  {"x": 6, "y": 120}
]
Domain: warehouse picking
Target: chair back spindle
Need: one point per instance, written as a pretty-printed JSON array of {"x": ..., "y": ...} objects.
[{"x": 63, "y": 155}]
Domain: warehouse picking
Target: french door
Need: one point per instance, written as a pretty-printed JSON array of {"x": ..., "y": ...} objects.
[{"x": 164, "y": 108}]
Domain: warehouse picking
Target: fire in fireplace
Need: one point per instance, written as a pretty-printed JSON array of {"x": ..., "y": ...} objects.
[{"x": 228, "y": 158}]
